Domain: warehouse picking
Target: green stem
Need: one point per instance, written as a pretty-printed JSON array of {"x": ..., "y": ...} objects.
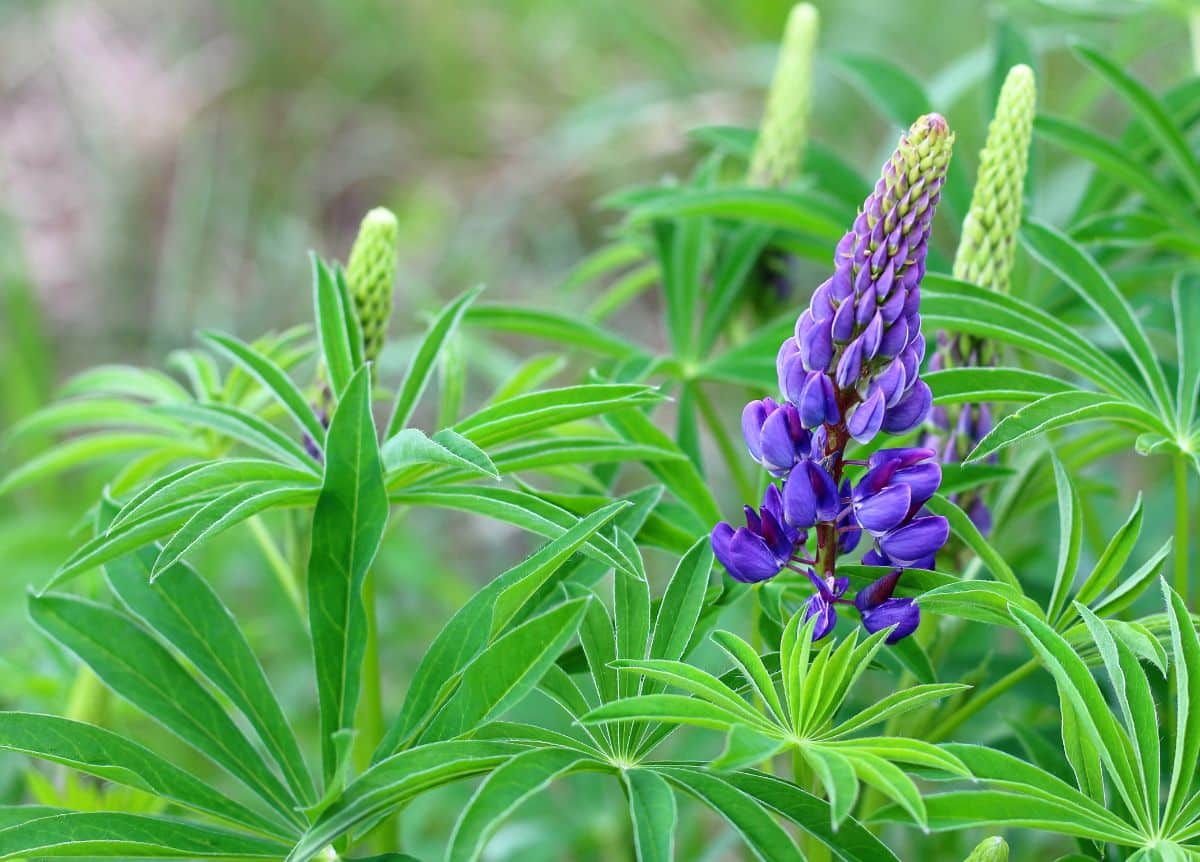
[
  {"x": 733, "y": 455},
  {"x": 973, "y": 706},
  {"x": 278, "y": 563},
  {"x": 369, "y": 719},
  {"x": 1194, "y": 30},
  {"x": 1181, "y": 525},
  {"x": 803, "y": 777}
]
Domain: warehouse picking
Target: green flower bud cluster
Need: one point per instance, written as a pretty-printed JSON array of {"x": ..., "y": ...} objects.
[
  {"x": 370, "y": 274},
  {"x": 989, "y": 850},
  {"x": 989, "y": 235},
  {"x": 784, "y": 130}
]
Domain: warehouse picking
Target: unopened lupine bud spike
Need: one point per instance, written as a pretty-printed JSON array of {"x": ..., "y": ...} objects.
[
  {"x": 784, "y": 130},
  {"x": 989, "y": 850},
  {"x": 989, "y": 236},
  {"x": 370, "y": 275}
]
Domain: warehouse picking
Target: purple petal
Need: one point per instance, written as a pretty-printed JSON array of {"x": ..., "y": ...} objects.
[
  {"x": 821, "y": 306},
  {"x": 812, "y": 402},
  {"x": 824, "y": 612},
  {"x": 877, "y": 592},
  {"x": 779, "y": 442},
  {"x": 843, "y": 323},
  {"x": 894, "y": 338},
  {"x": 904, "y": 614},
  {"x": 799, "y": 499},
  {"x": 922, "y": 479},
  {"x": 864, "y": 423},
  {"x": 748, "y": 559},
  {"x": 753, "y": 416},
  {"x": 849, "y": 367},
  {"x": 891, "y": 381},
  {"x": 884, "y": 511},
  {"x": 910, "y": 411},
  {"x": 917, "y": 540},
  {"x": 816, "y": 350},
  {"x": 789, "y": 354},
  {"x": 871, "y": 337},
  {"x": 901, "y": 457}
]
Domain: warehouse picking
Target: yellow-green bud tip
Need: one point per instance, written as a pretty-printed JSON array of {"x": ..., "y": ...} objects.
[
  {"x": 783, "y": 133},
  {"x": 990, "y": 850},
  {"x": 370, "y": 274}
]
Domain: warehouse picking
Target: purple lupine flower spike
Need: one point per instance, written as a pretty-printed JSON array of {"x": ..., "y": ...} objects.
[{"x": 851, "y": 370}]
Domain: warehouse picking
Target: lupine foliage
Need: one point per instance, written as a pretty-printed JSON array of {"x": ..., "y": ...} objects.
[{"x": 893, "y": 490}]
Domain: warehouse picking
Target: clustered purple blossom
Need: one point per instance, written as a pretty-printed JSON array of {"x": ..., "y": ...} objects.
[{"x": 851, "y": 370}]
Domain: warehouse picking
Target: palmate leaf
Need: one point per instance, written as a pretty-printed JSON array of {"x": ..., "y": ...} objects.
[
  {"x": 139, "y": 669},
  {"x": 348, "y": 523},
  {"x": 183, "y": 609}
]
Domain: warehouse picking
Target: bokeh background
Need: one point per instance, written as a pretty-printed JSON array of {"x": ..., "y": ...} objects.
[{"x": 165, "y": 166}]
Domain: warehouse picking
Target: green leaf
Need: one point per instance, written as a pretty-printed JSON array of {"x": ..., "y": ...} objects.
[
  {"x": 805, "y": 212},
  {"x": 1185, "y": 651},
  {"x": 745, "y": 814},
  {"x": 837, "y": 777},
  {"x": 975, "y": 385},
  {"x": 679, "y": 610},
  {"x": 1061, "y": 411},
  {"x": 1185, "y": 300},
  {"x": 140, "y": 670},
  {"x": 244, "y": 428},
  {"x": 354, "y": 335},
  {"x": 79, "y": 451},
  {"x": 391, "y": 782},
  {"x": 1151, "y": 112},
  {"x": 1084, "y": 276},
  {"x": 744, "y": 748},
  {"x": 982, "y": 601},
  {"x": 850, "y": 842},
  {"x": 128, "y": 836},
  {"x": 446, "y": 448},
  {"x": 126, "y": 380},
  {"x": 653, "y": 813},
  {"x": 187, "y": 613},
  {"x": 348, "y": 523},
  {"x": 1115, "y": 555},
  {"x": 273, "y": 379},
  {"x": 739, "y": 254},
  {"x": 114, "y": 758},
  {"x": 333, "y": 328},
  {"x": 551, "y": 326},
  {"x": 80, "y": 413},
  {"x": 753, "y": 669},
  {"x": 506, "y": 671},
  {"x": 965, "y": 529},
  {"x": 1133, "y": 586},
  {"x": 682, "y": 246},
  {"x": 421, "y": 368},
  {"x": 673, "y": 708},
  {"x": 896, "y": 703},
  {"x": 1070, "y": 539},
  {"x": 500, "y": 794}
]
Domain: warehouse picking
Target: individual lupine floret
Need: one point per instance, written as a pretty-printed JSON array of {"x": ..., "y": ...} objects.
[
  {"x": 783, "y": 133},
  {"x": 371, "y": 274},
  {"x": 852, "y": 369}
]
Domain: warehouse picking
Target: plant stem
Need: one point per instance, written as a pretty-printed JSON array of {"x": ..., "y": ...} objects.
[
  {"x": 1181, "y": 521},
  {"x": 976, "y": 704},
  {"x": 732, "y": 455},
  {"x": 278, "y": 563},
  {"x": 369, "y": 719},
  {"x": 1194, "y": 30},
  {"x": 803, "y": 777}
]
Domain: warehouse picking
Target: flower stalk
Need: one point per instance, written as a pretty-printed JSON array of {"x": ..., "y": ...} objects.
[{"x": 783, "y": 132}]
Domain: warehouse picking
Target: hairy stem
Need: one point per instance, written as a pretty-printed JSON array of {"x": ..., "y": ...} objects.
[
  {"x": 284, "y": 572},
  {"x": 1181, "y": 525},
  {"x": 976, "y": 704}
]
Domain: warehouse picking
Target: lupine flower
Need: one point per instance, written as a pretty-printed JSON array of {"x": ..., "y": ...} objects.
[
  {"x": 761, "y": 549},
  {"x": 985, "y": 257},
  {"x": 851, "y": 370},
  {"x": 783, "y": 133},
  {"x": 370, "y": 274}
]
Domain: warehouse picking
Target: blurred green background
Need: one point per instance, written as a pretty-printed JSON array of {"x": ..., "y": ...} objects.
[{"x": 165, "y": 166}]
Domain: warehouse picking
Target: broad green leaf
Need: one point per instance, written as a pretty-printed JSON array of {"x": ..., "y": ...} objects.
[
  {"x": 1070, "y": 538},
  {"x": 500, "y": 794},
  {"x": 421, "y": 367},
  {"x": 965, "y": 529},
  {"x": 446, "y": 448},
  {"x": 332, "y": 327},
  {"x": 989, "y": 384},
  {"x": 391, "y": 782},
  {"x": 507, "y": 670},
  {"x": 348, "y": 523},
  {"x": 187, "y": 613},
  {"x": 230, "y": 508},
  {"x": 113, "y": 834},
  {"x": 142, "y": 671},
  {"x": 273, "y": 379},
  {"x": 652, "y": 811},
  {"x": 1084, "y": 276},
  {"x": 114, "y": 758},
  {"x": 850, "y": 842},
  {"x": 1060, "y": 411},
  {"x": 745, "y": 814}
]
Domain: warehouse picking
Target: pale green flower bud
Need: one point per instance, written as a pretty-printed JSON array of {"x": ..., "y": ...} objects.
[
  {"x": 784, "y": 130},
  {"x": 370, "y": 274},
  {"x": 989, "y": 235},
  {"x": 989, "y": 850}
]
